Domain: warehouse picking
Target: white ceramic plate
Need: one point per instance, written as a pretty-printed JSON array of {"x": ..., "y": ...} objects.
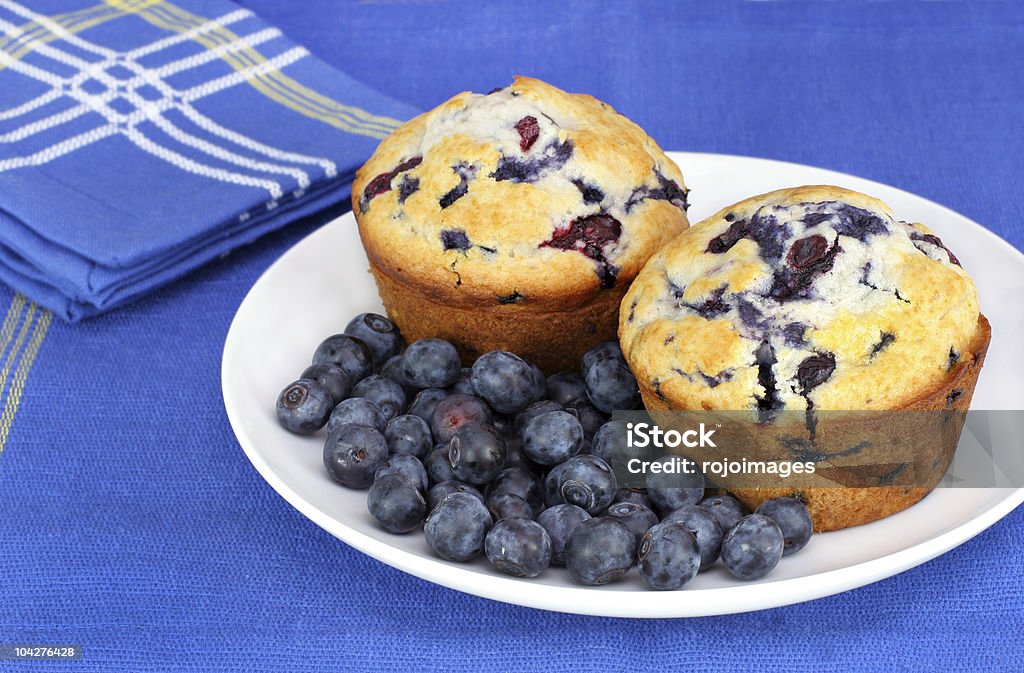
[{"x": 318, "y": 285}]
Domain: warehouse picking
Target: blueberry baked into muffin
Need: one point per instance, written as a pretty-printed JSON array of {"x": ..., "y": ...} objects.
[
  {"x": 809, "y": 299},
  {"x": 515, "y": 220}
]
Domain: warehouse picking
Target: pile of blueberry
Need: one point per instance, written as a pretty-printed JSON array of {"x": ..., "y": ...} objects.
[{"x": 496, "y": 459}]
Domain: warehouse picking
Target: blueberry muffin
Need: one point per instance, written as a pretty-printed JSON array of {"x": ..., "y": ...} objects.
[
  {"x": 515, "y": 220},
  {"x": 812, "y": 300}
]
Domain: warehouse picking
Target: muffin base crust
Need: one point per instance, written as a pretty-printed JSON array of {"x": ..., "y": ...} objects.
[
  {"x": 554, "y": 341},
  {"x": 836, "y": 508}
]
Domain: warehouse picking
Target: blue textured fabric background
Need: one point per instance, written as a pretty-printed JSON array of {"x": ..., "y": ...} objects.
[{"x": 131, "y": 522}]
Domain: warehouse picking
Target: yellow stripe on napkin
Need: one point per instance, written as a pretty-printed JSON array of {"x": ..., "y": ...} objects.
[
  {"x": 34, "y": 323},
  {"x": 34, "y": 32},
  {"x": 274, "y": 85}
]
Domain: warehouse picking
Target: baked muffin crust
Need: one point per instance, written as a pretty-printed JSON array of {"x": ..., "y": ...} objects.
[
  {"x": 528, "y": 196},
  {"x": 813, "y": 297}
]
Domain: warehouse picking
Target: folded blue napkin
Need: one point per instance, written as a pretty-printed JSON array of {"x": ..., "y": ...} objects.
[{"x": 140, "y": 139}]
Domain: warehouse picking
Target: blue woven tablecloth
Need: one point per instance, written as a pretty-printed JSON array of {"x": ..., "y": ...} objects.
[{"x": 131, "y": 522}]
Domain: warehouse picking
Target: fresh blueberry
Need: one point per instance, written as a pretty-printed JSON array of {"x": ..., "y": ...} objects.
[
  {"x": 347, "y": 352},
  {"x": 612, "y": 387},
  {"x": 506, "y": 381},
  {"x": 379, "y": 334},
  {"x": 392, "y": 369},
  {"x": 409, "y": 467},
  {"x": 672, "y": 490},
  {"x": 464, "y": 386},
  {"x": 588, "y": 482},
  {"x": 454, "y": 411},
  {"x": 553, "y": 486},
  {"x": 476, "y": 453},
  {"x": 566, "y": 388},
  {"x": 304, "y": 406},
  {"x": 600, "y": 551},
  {"x": 382, "y": 391},
  {"x": 438, "y": 468},
  {"x": 589, "y": 417},
  {"x": 505, "y": 424},
  {"x": 552, "y": 438},
  {"x": 607, "y": 350},
  {"x": 396, "y": 503},
  {"x": 518, "y": 547},
  {"x": 536, "y": 409},
  {"x": 539, "y": 381},
  {"x": 638, "y": 519},
  {"x": 431, "y": 363},
  {"x": 753, "y": 547},
  {"x": 793, "y": 520},
  {"x": 408, "y": 435},
  {"x": 457, "y": 527},
  {"x": 357, "y": 410},
  {"x": 442, "y": 490},
  {"x": 514, "y": 456},
  {"x": 612, "y": 444},
  {"x": 519, "y": 481},
  {"x": 508, "y": 506},
  {"x": 332, "y": 377},
  {"x": 704, "y": 527},
  {"x": 634, "y": 495},
  {"x": 560, "y": 521},
  {"x": 725, "y": 508},
  {"x": 353, "y": 453},
  {"x": 668, "y": 556},
  {"x": 425, "y": 402}
]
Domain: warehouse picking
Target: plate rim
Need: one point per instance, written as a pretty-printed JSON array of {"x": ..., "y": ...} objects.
[{"x": 587, "y": 600}]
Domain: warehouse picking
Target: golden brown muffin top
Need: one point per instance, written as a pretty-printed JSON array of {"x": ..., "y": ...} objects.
[
  {"x": 525, "y": 195},
  {"x": 807, "y": 297}
]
